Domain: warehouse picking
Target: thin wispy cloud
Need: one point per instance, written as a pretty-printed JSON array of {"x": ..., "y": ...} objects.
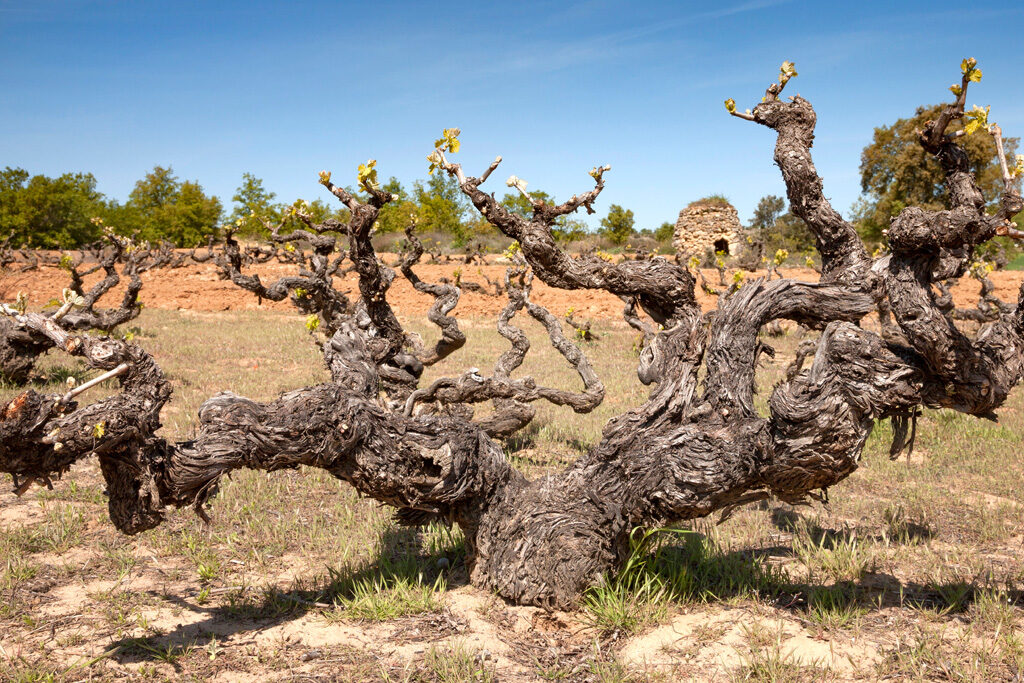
[{"x": 569, "y": 49}]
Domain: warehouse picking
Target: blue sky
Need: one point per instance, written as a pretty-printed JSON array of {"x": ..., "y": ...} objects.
[{"x": 283, "y": 90}]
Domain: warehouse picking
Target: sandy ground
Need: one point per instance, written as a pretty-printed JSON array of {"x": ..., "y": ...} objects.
[
  {"x": 107, "y": 627},
  {"x": 198, "y": 287},
  {"x": 701, "y": 642}
]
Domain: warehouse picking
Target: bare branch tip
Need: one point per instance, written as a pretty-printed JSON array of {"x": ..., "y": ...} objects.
[
  {"x": 85, "y": 386},
  {"x": 490, "y": 169}
]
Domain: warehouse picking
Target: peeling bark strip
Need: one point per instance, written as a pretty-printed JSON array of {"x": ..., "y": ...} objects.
[{"x": 689, "y": 451}]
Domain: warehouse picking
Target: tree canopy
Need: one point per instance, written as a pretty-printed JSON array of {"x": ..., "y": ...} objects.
[
  {"x": 49, "y": 212},
  {"x": 57, "y": 212},
  {"x": 162, "y": 207},
  {"x": 252, "y": 202},
  {"x": 565, "y": 229},
  {"x": 442, "y": 207},
  {"x": 768, "y": 210},
  {"x": 617, "y": 226},
  {"x": 896, "y": 172},
  {"x": 778, "y": 227}
]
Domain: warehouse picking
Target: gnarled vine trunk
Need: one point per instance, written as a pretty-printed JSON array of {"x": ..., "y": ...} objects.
[{"x": 692, "y": 449}]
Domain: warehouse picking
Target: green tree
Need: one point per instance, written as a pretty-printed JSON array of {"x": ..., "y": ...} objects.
[
  {"x": 790, "y": 233},
  {"x": 516, "y": 202},
  {"x": 12, "y": 187},
  {"x": 253, "y": 202},
  {"x": 665, "y": 232},
  {"x": 156, "y": 190},
  {"x": 617, "y": 226},
  {"x": 565, "y": 229},
  {"x": 196, "y": 215},
  {"x": 568, "y": 229},
  {"x": 169, "y": 209},
  {"x": 779, "y": 228},
  {"x": 49, "y": 212},
  {"x": 396, "y": 215},
  {"x": 320, "y": 211},
  {"x": 896, "y": 172},
  {"x": 441, "y": 207},
  {"x": 768, "y": 210}
]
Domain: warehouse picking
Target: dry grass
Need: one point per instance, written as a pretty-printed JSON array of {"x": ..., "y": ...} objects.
[{"x": 912, "y": 571}]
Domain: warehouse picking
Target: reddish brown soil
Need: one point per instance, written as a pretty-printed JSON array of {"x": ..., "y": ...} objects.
[{"x": 197, "y": 287}]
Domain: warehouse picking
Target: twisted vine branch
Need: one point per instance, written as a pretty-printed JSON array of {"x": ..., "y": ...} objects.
[{"x": 694, "y": 448}]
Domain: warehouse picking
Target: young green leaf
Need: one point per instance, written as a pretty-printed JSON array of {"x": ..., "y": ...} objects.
[
  {"x": 367, "y": 175},
  {"x": 449, "y": 140},
  {"x": 435, "y": 162},
  {"x": 786, "y": 72},
  {"x": 977, "y": 119},
  {"x": 967, "y": 68}
]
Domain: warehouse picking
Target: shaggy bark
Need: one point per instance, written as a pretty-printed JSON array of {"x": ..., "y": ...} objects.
[
  {"x": 20, "y": 348},
  {"x": 689, "y": 451},
  {"x": 446, "y": 297},
  {"x": 988, "y": 308},
  {"x": 7, "y": 254},
  {"x": 752, "y": 256},
  {"x": 311, "y": 291},
  {"x": 509, "y": 394},
  {"x": 314, "y": 293},
  {"x": 582, "y": 327}
]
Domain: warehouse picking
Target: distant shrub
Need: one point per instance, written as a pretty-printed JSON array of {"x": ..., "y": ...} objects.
[{"x": 711, "y": 200}]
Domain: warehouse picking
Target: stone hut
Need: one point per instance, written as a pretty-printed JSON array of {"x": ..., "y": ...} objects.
[{"x": 708, "y": 225}]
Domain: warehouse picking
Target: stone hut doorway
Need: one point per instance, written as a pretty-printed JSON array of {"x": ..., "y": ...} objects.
[{"x": 708, "y": 225}]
